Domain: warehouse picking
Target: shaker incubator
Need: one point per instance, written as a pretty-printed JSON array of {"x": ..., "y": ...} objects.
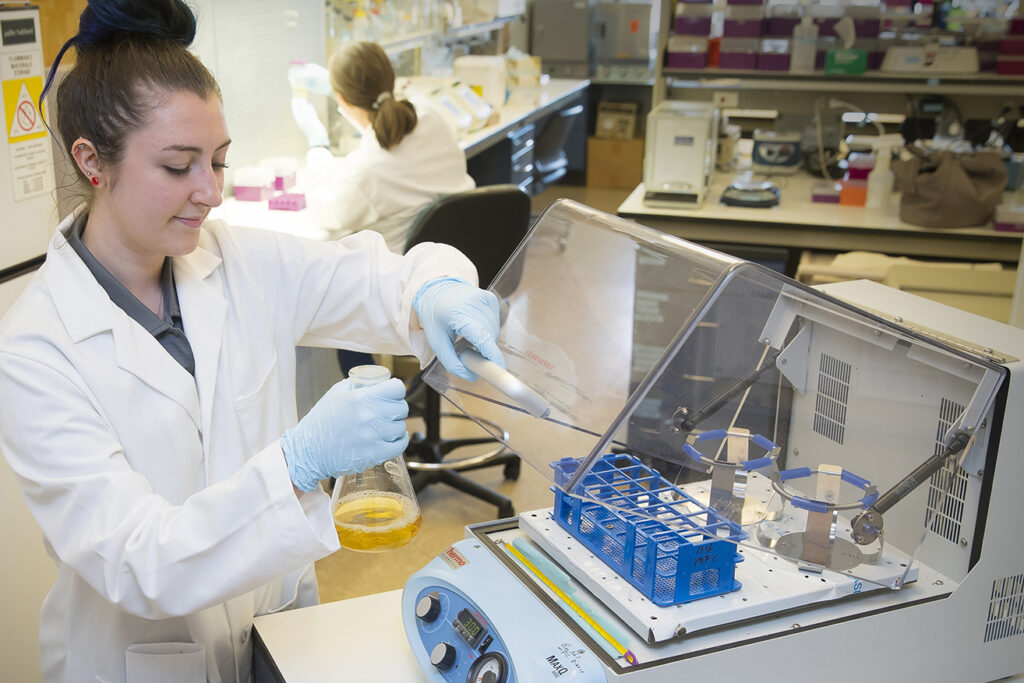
[{"x": 749, "y": 477}]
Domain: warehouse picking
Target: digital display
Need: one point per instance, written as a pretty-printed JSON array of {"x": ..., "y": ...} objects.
[{"x": 469, "y": 627}]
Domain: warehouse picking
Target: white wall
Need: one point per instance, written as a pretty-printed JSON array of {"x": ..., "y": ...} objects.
[{"x": 248, "y": 45}]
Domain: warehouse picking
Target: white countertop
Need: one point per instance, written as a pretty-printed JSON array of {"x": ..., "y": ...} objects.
[
  {"x": 795, "y": 208},
  {"x": 360, "y": 640}
]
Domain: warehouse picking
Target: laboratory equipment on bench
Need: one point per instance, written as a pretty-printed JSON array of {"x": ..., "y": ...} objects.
[
  {"x": 375, "y": 510},
  {"x": 680, "y": 151},
  {"x": 776, "y": 153},
  {"x": 748, "y": 476},
  {"x": 751, "y": 194},
  {"x": 625, "y": 40}
]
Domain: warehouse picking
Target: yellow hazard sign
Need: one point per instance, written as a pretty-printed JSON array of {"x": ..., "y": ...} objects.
[{"x": 24, "y": 120}]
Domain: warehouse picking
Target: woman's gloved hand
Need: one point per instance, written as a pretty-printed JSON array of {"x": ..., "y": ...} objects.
[
  {"x": 309, "y": 123},
  {"x": 448, "y": 307},
  {"x": 348, "y": 430},
  {"x": 311, "y": 77}
]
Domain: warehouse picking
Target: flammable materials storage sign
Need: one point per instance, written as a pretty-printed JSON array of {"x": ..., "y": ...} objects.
[{"x": 21, "y": 69}]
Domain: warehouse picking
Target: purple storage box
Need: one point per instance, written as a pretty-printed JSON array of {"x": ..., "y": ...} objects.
[
  {"x": 737, "y": 60},
  {"x": 744, "y": 2},
  {"x": 686, "y": 60},
  {"x": 867, "y": 28},
  {"x": 1010, "y": 66},
  {"x": 743, "y": 28},
  {"x": 1011, "y": 46},
  {"x": 772, "y": 61},
  {"x": 1016, "y": 25},
  {"x": 781, "y": 26},
  {"x": 826, "y": 25},
  {"x": 692, "y": 26}
]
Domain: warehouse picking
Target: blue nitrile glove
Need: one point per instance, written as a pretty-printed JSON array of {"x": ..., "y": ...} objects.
[
  {"x": 448, "y": 307},
  {"x": 312, "y": 77},
  {"x": 309, "y": 123},
  {"x": 348, "y": 430}
]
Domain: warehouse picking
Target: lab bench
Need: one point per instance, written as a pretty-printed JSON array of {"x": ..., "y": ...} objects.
[
  {"x": 797, "y": 224},
  {"x": 497, "y": 154},
  {"x": 360, "y": 639}
]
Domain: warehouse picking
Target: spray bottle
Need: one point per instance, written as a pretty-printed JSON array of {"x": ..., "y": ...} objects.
[{"x": 881, "y": 178}]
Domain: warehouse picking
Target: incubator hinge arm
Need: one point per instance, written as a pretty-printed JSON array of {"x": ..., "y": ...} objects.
[
  {"x": 868, "y": 524},
  {"x": 688, "y": 421}
]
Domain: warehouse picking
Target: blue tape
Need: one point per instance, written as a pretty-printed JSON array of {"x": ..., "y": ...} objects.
[
  {"x": 851, "y": 478},
  {"x": 795, "y": 473},
  {"x": 712, "y": 434},
  {"x": 812, "y": 505},
  {"x": 692, "y": 452},
  {"x": 754, "y": 464},
  {"x": 869, "y": 500}
]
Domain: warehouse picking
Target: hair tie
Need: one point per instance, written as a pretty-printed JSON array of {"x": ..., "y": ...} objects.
[{"x": 380, "y": 98}]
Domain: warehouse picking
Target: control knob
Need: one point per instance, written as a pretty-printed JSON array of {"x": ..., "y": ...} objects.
[
  {"x": 428, "y": 608},
  {"x": 442, "y": 656}
]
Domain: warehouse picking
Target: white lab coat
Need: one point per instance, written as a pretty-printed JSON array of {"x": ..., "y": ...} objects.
[
  {"x": 165, "y": 500},
  {"x": 384, "y": 190}
]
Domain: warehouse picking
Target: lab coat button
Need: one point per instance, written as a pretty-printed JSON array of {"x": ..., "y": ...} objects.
[{"x": 244, "y": 636}]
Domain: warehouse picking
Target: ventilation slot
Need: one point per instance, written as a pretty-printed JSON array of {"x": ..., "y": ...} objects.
[
  {"x": 947, "y": 489},
  {"x": 1006, "y": 609},
  {"x": 833, "y": 394}
]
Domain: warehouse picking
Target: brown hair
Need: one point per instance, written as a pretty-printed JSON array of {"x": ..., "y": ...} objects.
[
  {"x": 127, "y": 51},
  {"x": 362, "y": 74}
]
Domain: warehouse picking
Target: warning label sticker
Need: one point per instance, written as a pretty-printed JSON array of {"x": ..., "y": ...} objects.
[{"x": 24, "y": 121}]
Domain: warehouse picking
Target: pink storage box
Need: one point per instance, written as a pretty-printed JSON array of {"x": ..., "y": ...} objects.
[
  {"x": 253, "y": 193},
  {"x": 290, "y": 201}
]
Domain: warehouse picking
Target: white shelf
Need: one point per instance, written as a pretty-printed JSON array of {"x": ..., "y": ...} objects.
[
  {"x": 874, "y": 81},
  {"x": 469, "y": 30},
  {"x": 410, "y": 40}
]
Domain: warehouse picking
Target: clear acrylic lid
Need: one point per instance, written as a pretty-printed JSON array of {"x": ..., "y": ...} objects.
[{"x": 776, "y": 413}]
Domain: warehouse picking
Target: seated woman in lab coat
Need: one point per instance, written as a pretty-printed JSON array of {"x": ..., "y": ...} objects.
[
  {"x": 147, "y": 372},
  {"x": 407, "y": 155}
]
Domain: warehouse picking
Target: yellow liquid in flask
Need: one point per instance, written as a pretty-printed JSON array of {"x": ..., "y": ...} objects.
[{"x": 376, "y": 521}]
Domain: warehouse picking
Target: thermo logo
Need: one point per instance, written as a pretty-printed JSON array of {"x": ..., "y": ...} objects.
[{"x": 453, "y": 558}]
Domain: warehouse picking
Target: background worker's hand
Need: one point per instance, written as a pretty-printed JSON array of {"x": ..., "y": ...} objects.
[
  {"x": 311, "y": 77},
  {"x": 309, "y": 123},
  {"x": 348, "y": 430},
  {"x": 448, "y": 307}
]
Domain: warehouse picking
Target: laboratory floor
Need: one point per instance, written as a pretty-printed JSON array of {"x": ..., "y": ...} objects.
[
  {"x": 600, "y": 198},
  {"x": 446, "y": 512}
]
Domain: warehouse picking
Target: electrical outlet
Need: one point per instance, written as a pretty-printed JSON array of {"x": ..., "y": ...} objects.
[{"x": 726, "y": 98}]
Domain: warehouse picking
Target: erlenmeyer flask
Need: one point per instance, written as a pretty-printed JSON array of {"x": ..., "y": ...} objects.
[{"x": 375, "y": 510}]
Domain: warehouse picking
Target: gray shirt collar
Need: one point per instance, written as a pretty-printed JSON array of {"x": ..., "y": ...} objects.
[{"x": 119, "y": 294}]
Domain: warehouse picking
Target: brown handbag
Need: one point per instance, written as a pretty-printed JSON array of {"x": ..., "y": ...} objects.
[{"x": 949, "y": 190}]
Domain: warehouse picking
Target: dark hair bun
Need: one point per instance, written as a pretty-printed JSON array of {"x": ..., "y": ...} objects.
[{"x": 105, "y": 21}]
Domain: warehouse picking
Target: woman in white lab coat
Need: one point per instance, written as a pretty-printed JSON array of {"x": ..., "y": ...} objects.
[
  {"x": 407, "y": 155},
  {"x": 147, "y": 373}
]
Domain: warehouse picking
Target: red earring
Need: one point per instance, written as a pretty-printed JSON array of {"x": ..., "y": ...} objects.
[{"x": 95, "y": 181}]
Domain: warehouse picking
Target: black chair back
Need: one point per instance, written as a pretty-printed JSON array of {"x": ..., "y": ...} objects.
[
  {"x": 486, "y": 224},
  {"x": 549, "y": 150}
]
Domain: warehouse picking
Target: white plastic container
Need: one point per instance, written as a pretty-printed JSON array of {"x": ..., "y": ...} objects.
[
  {"x": 804, "y": 47},
  {"x": 880, "y": 182},
  {"x": 486, "y": 74}
]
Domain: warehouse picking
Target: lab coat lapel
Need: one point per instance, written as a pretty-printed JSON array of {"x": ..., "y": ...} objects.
[
  {"x": 86, "y": 311},
  {"x": 203, "y": 312}
]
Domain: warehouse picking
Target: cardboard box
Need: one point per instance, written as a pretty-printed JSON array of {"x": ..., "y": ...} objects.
[
  {"x": 615, "y": 120},
  {"x": 615, "y": 163}
]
